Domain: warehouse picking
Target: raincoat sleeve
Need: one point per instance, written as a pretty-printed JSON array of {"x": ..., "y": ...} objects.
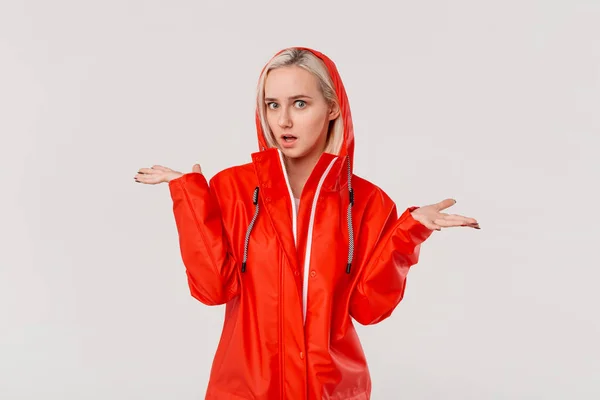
[
  {"x": 386, "y": 260},
  {"x": 204, "y": 245}
]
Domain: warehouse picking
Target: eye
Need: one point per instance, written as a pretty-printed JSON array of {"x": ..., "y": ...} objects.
[
  {"x": 301, "y": 102},
  {"x": 272, "y": 103}
]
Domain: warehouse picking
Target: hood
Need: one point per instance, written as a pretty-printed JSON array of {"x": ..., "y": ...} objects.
[{"x": 347, "y": 148}]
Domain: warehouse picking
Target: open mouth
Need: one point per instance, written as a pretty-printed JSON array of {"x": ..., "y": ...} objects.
[{"x": 288, "y": 138}]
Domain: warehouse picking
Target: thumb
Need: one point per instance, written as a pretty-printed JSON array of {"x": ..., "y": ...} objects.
[
  {"x": 442, "y": 205},
  {"x": 196, "y": 168}
]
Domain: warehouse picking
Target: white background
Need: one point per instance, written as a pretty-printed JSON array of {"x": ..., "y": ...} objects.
[{"x": 494, "y": 103}]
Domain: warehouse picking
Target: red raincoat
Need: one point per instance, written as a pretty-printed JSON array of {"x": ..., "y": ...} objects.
[{"x": 291, "y": 283}]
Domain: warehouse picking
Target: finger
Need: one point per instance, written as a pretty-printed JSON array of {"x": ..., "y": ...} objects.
[
  {"x": 148, "y": 181},
  {"x": 147, "y": 178},
  {"x": 196, "y": 168},
  {"x": 445, "y": 204},
  {"x": 140, "y": 178},
  {"x": 446, "y": 223},
  {"x": 454, "y": 217},
  {"x": 161, "y": 168},
  {"x": 475, "y": 226},
  {"x": 450, "y": 223},
  {"x": 148, "y": 171}
]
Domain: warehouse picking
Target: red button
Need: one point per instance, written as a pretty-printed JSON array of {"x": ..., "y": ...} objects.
[
  {"x": 301, "y": 355},
  {"x": 313, "y": 273},
  {"x": 296, "y": 273}
]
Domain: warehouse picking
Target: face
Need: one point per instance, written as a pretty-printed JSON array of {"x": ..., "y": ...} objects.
[{"x": 297, "y": 112}]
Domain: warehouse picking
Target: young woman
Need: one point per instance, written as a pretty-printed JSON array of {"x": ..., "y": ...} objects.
[{"x": 294, "y": 244}]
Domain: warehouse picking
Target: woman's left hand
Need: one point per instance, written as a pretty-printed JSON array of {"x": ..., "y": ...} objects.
[{"x": 432, "y": 217}]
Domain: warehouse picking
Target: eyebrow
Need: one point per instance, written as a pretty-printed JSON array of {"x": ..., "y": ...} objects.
[{"x": 298, "y": 96}]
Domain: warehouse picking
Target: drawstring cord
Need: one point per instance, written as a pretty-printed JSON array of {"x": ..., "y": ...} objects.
[
  {"x": 350, "y": 227},
  {"x": 256, "y": 208}
]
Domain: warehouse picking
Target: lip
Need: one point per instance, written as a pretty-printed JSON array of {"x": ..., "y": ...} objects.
[{"x": 286, "y": 144}]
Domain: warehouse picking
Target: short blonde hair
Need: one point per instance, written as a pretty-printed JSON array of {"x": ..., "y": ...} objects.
[{"x": 307, "y": 60}]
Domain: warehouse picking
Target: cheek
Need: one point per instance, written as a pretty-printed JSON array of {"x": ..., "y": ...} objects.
[
  {"x": 312, "y": 121},
  {"x": 271, "y": 120}
]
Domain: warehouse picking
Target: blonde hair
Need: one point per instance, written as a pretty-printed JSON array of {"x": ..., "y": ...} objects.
[{"x": 307, "y": 60}]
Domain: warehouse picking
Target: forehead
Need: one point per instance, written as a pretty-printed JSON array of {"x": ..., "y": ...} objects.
[{"x": 289, "y": 81}]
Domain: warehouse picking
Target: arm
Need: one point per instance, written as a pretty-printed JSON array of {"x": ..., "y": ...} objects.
[
  {"x": 382, "y": 279},
  {"x": 205, "y": 250}
]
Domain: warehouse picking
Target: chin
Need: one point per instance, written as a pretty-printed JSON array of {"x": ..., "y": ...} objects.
[
  {"x": 292, "y": 153},
  {"x": 297, "y": 153}
]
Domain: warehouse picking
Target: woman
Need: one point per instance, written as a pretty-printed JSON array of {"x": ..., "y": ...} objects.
[{"x": 295, "y": 244}]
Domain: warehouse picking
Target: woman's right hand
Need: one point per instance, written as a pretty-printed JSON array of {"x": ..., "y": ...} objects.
[{"x": 159, "y": 174}]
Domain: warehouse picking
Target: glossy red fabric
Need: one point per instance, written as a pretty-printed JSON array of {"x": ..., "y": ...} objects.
[{"x": 267, "y": 350}]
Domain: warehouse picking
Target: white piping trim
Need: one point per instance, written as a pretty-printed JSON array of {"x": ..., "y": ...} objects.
[
  {"x": 287, "y": 182},
  {"x": 309, "y": 240}
]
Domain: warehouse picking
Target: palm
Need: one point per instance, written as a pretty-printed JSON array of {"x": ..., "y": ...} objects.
[
  {"x": 158, "y": 174},
  {"x": 433, "y": 218}
]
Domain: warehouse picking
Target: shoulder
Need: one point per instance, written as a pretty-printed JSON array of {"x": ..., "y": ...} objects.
[
  {"x": 370, "y": 194},
  {"x": 235, "y": 174}
]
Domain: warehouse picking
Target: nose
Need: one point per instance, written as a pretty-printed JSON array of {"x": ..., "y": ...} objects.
[{"x": 284, "y": 120}]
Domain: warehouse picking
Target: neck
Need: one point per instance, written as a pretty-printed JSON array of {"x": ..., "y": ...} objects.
[{"x": 299, "y": 169}]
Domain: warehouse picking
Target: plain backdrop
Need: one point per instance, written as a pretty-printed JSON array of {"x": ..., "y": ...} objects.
[{"x": 494, "y": 103}]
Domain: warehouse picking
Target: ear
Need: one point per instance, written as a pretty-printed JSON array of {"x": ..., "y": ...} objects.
[{"x": 334, "y": 111}]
